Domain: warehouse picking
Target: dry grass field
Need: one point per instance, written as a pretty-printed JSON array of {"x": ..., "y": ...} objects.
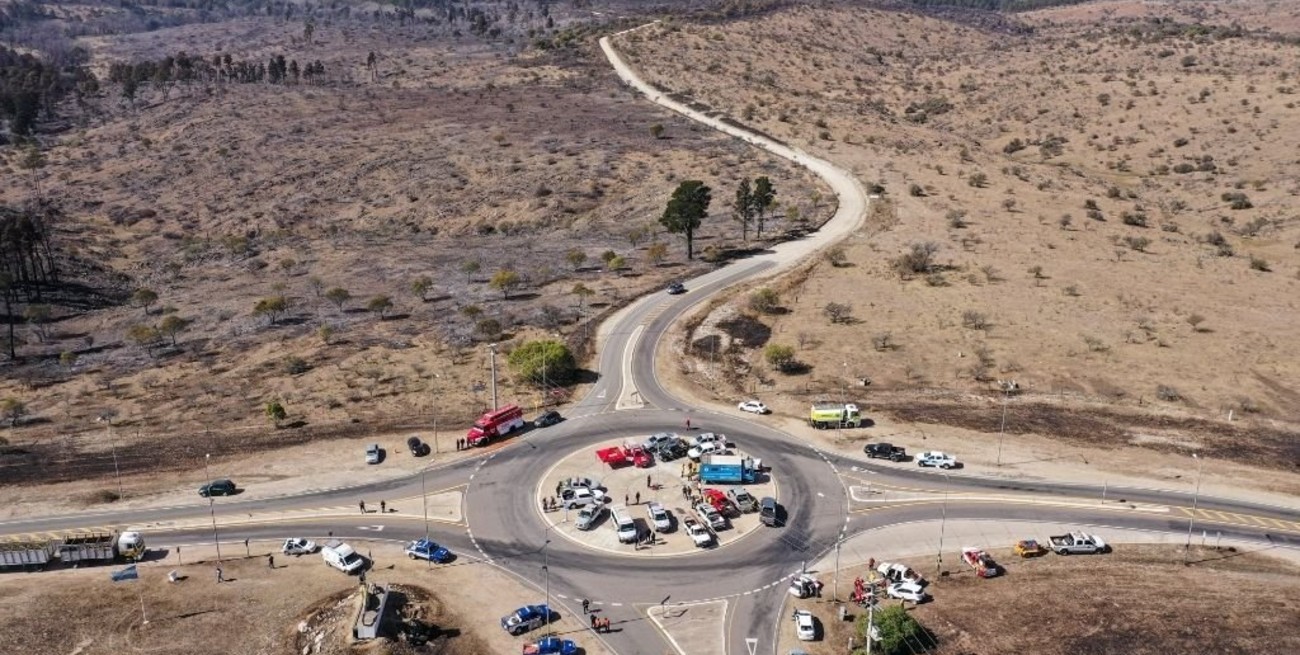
[
  {"x": 451, "y": 150},
  {"x": 1102, "y": 200},
  {"x": 1117, "y": 603},
  {"x": 263, "y": 611}
]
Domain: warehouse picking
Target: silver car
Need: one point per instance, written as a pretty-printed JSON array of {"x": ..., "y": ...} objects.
[
  {"x": 655, "y": 440},
  {"x": 372, "y": 453},
  {"x": 589, "y": 516}
]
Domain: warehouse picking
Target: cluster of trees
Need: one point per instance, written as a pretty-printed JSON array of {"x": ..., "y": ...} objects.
[
  {"x": 27, "y": 262},
  {"x": 184, "y": 68},
  {"x": 752, "y": 203},
  {"x": 31, "y": 87},
  {"x": 689, "y": 205}
]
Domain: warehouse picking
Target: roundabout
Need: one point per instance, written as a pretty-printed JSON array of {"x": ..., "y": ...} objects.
[
  {"x": 504, "y": 510},
  {"x": 670, "y": 486}
]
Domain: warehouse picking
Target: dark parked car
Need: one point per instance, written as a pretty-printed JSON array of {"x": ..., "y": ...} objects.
[
  {"x": 671, "y": 450},
  {"x": 885, "y": 451},
  {"x": 418, "y": 448},
  {"x": 549, "y": 417},
  {"x": 217, "y": 488},
  {"x": 676, "y": 288}
]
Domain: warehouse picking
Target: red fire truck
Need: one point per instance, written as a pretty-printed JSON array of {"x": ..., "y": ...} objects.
[{"x": 495, "y": 423}]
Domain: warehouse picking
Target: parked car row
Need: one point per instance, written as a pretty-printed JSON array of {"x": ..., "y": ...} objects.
[{"x": 929, "y": 458}]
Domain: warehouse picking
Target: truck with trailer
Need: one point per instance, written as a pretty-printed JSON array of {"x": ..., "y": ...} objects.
[
  {"x": 834, "y": 415},
  {"x": 727, "y": 469},
  {"x": 495, "y": 424},
  {"x": 75, "y": 549}
]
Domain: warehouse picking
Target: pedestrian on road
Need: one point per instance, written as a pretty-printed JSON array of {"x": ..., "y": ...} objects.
[
  {"x": 362, "y": 504},
  {"x": 624, "y": 499},
  {"x": 586, "y": 604},
  {"x": 270, "y": 560},
  {"x": 220, "y": 578},
  {"x": 638, "y": 497},
  {"x": 383, "y": 507},
  {"x": 688, "y": 423},
  {"x": 559, "y": 486},
  {"x": 647, "y": 482}
]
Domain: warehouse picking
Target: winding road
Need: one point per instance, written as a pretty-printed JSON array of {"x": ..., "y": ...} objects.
[{"x": 821, "y": 492}]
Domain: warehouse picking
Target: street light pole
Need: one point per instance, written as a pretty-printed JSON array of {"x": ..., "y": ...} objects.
[
  {"x": 1191, "y": 520},
  {"x": 1002, "y": 431},
  {"x": 835, "y": 592},
  {"x": 424, "y": 500},
  {"x": 212, "y": 507},
  {"x": 492, "y": 348},
  {"x": 943, "y": 524},
  {"x": 112, "y": 441},
  {"x": 546, "y": 573}
]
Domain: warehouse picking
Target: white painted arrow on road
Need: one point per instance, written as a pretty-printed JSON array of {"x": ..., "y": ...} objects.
[
  {"x": 752, "y": 644},
  {"x": 376, "y": 528}
]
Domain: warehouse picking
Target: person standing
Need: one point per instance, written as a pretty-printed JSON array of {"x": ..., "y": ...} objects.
[
  {"x": 362, "y": 504},
  {"x": 220, "y": 578},
  {"x": 647, "y": 482},
  {"x": 586, "y": 605},
  {"x": 638, "y": 497},
  {"x": 383, "y": 507},
  {"x": 270, "y": 561}
]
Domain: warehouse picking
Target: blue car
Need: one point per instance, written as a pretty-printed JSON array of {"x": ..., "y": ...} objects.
[
  {"x": 552, "y": 646},
  {"x": 528, "y": 617},
  {"x": 425, "y": 549}
]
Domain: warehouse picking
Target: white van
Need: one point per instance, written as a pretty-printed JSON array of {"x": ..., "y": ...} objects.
[
  {"x": 624, "y": 525},
  {"x": 341, "y": 556}
]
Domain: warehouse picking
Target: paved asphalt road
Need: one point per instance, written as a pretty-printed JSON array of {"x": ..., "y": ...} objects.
[{"x": 502, "y": 524}]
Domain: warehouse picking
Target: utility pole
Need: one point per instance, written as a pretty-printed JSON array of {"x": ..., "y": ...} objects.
[
  {"x": 112, "y": 441},
  {"x": 1200, "y": 463},
  {"x": 424, "y": 500},
  {"x": 492, "y": 348},
  {"x": 212, "y": 507},
  {"x": 943, "y": 523},
  {"x": 835, "y": 590},
  {"x": 1002, "y": 431}
]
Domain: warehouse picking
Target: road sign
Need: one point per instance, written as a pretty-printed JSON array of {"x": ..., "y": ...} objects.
[
  {"x": 376, "y": 528},
  {"x": 752, "y": 644}
]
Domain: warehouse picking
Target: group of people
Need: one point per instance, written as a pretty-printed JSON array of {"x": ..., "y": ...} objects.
[
  {"x": 462, "y": 444},
  {"x": 383, "y": 507}
]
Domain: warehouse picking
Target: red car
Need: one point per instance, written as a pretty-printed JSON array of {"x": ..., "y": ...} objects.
[
  {"x": 718, "y": 500},
  {"x": 640, "y": 458}
]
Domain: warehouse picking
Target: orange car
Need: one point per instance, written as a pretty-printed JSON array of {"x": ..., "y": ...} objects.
[{"x": 1029, "y": 548}]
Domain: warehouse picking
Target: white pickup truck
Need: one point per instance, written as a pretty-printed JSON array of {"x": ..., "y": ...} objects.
[
  {"x": 699, "y": 534},
  {"x": 710, "y": 515},
  {"x": 1077, "y": 542}
]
